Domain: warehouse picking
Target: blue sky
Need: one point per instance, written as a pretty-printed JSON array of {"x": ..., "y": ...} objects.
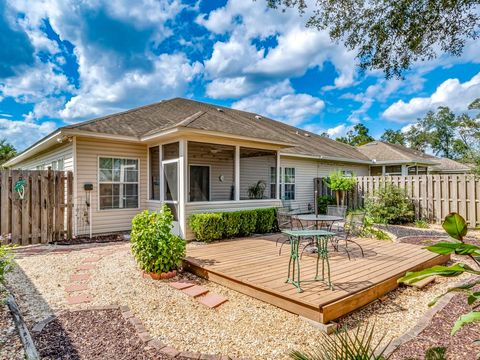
[{"x": 66, "y": 61}]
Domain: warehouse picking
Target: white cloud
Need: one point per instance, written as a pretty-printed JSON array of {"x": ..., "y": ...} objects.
[
  {"x": 224, "y": 88},
  {"x": 21, "y": 133},
  {"x": 280, "y": 102},
  {"x": 338, "y": 131},
  {"x": 452, "y": 93}
]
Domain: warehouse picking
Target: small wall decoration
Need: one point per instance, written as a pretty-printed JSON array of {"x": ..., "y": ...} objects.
[
  {"x": 19, "y": 188},
  {"x": 221, "y": 178}
]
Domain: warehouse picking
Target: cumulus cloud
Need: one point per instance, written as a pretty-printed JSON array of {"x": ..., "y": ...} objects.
[
  {"x": 280, "y": 102},
  {"x": 452, "y": 93},
  {"x": 15, "y": 131}
]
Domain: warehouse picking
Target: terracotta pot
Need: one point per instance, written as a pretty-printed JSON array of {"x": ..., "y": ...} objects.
[
  {"x": 163, "y": 275},
  {"x": 155, "y": 276}
]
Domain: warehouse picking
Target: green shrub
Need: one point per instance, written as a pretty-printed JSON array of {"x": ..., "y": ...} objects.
[
  {"x": 231, "y": 223},
  {"x": 6, "y": 261},
  {"x": 215, "y": 226},
  {"x": 207, "y": 226},
  {"x": 422, "y": 224},
  {"x": 265, "y": 220},
  {"x": 323, "y": 202},
  {"x": 154, "y": 246},
  {"x": 341, "y": 184},
  {"x": 248, "y": 222},
  {"x": 390, "y": 205}
]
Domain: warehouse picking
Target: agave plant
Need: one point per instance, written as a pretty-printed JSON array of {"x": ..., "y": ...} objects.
[
  {"x": 358, "y": 345},
  {"x": 456, "y": 227}
]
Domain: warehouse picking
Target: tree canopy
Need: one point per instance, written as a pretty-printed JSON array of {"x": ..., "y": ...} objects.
[
  {"x": 7, "y": 151},
  {"x": 394, "y": 137},
  {"x": 390, "y": 35},
  {"x": 359, "y": 135}
]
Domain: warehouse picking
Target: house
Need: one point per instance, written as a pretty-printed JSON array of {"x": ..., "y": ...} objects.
[
  {"x": 394, "y": 160},
  {"x": 191, "y": 156}
]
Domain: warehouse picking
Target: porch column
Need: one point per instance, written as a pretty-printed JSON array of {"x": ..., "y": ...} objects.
[
  {"x": 237, "y": 173},
  {"x": 277, "y": 180},
  {"x": 182, "y": 185}
]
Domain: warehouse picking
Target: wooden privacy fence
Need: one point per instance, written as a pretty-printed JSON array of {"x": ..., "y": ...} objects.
[
  {"x": 434, "y": 196},
  {"x": 36, "y": 206}
]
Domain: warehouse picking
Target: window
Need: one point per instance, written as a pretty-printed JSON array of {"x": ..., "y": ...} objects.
[
  {"x": 199, "y": 183},
  {"x": 376, "y": 170},
  {"x": 273, "y": 182},
  {"x": 289, "y": 184},
  {"x": 348, "y": 173},
  {"x": 154, "y": 156},
  {"x": 57, "y": 165},
  {"x": 393, "y": 170},
  {"x": 118, "y": 183}
]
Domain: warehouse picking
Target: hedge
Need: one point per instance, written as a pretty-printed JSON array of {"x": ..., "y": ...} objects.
[{"x": 215, "y": 226}]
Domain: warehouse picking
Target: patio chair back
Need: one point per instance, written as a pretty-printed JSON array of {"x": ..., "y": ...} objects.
[
  {"x": 335, "y": 210},
  {"x": 284, "y": 219},
  {"x": 355, "y": 223}
]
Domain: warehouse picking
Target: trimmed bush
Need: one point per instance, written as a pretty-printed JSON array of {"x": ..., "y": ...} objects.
[
  {"x": 266, "y": 220},
  {"x": 207, "y": 226},
  {"x": 215, "y": 226},
  {"x": 154, "y": 246},
  {"x": 232, "y": 221},
  {"x": 390, "y": 205},
  {"x": 323, "y": 202},
  {"x": 248, "y": 222}
]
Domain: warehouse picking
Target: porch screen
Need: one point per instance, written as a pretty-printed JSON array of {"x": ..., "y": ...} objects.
[
  {"x": 211, "y": 172},
  {"x": 118, "y": 183},
  {"x": 154, "y": 159},
  {"x": 255, "y": 173}
]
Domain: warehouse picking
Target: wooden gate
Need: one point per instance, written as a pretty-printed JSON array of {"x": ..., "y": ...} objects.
[{"x": 36, "y": 206}]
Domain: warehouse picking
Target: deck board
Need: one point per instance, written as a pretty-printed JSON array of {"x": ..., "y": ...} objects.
[{"x": 254, "y": 267}]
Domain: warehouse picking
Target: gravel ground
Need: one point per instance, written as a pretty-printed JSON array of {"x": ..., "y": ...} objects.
[
  {"x": 92, "y": 334},
  {"x": 401, "y": 230},
  {"x": 241, "y": 327},
  {"x": 11, "y": 347}
]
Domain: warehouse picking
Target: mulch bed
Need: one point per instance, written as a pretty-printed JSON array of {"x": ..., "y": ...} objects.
[
  {"x": 11, "y": 347},
  {"x": 120, "y": 237},
  {"x": 424, "y": 240},
  {"x": 92, "y": 334},
  {"x": 437, "y": 334}
]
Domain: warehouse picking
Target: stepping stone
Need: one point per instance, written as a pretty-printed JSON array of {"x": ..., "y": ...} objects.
[
  {"x": 195, "y": 291},
  {"x": 80, "y": 277},
  {"x": 180, "y": 285},
  {"x": 92, "y": 259},
  {"x": 85, "y": 267},
  {"x": 212, "y": 300},
  {"x": 78, "y": 299},
  {"x": 76, "y": 287}
]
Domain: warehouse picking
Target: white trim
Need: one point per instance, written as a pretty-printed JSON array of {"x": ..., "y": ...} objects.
[
  {"x": 237, "y": 173},
  {"x": 329, "y": 158},
  {"x": 75, "y": 186},
  {"x": 182, "y": 169},
  {"x": 25, "y": 153},
  {"x": 230, "y": 202},
  {"x": 100, "y": 135},
  {"x": 113, "y": 182},
  {"x": 278, "y": 178},
  {"x": 189, "y": 173}
]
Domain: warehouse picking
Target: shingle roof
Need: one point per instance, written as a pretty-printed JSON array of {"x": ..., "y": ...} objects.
[
  {"x": 192, "y": 114},
  {"x": 382, "y": 151}
]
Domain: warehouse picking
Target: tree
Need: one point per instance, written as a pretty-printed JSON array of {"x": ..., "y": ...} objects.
[
  {"x": 356, "y": 137},
  {"x": 7, "y": 151},
  {"x": 390, "y": 35},
  {"x": 394, "y": 137}
]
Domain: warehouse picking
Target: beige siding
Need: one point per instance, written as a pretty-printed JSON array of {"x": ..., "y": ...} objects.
[
  {"x": 88, "y": 152},
  {"x": 63, "y": 151},
  {"x": 308, "y": 169},
  {"x": 221, "y": 163},
  {"x": 253, "y": 169}
]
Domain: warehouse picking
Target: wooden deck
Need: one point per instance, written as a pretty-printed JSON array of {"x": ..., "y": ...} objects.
[{"x": 252, "y": 266}]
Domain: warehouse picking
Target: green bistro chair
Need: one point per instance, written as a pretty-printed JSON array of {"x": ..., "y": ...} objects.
[{"x": 353, "y": 227}]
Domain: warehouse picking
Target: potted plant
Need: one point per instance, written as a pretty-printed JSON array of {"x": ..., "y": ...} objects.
[
  {"x": 257, "y": 191},
  {"x": 156, "y": 249},
  {"x": 341, "y": 184}
]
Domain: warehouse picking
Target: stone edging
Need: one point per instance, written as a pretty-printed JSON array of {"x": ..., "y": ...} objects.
[
  {"x": 143, "y": 334},
  {"x": 420, "y": 326}
]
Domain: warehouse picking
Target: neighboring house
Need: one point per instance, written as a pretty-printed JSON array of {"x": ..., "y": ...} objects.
[
  {"x": 393, "y": 160},
  {"x": 191, "y": 156}
]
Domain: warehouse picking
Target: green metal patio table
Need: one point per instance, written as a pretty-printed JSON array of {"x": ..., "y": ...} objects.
[{"x": 321, "y": 238}]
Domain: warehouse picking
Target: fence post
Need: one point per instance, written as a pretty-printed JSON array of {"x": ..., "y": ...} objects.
[{"x": 69, "y": 205}]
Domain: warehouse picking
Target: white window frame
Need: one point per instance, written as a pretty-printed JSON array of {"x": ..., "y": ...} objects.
[
  {"x": 277, "y": 176},
  {"x": 116, "y": 182},
  {"x": 285, "y": 183}
]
